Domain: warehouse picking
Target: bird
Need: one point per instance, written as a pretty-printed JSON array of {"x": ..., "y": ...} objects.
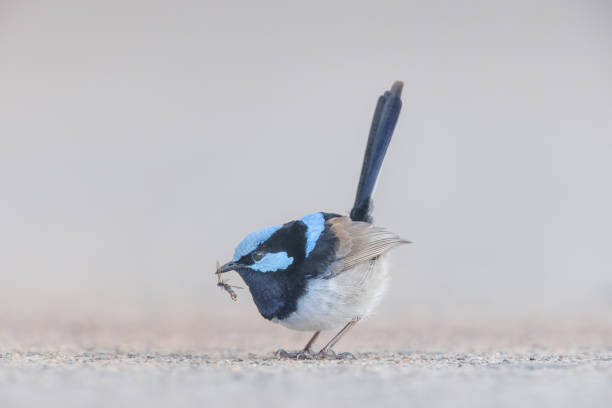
[{"x": 325, "y": 271}]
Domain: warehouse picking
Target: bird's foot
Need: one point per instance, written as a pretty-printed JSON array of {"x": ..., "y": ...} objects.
[
  {"x": 331, "y": 355},
  {"x": 295, "y": 355}
]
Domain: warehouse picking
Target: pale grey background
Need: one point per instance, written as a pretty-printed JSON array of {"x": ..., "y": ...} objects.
[{"x": 140, "y": 141}]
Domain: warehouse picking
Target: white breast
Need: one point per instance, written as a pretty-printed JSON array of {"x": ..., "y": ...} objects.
[{"x": 329, "y": 304}]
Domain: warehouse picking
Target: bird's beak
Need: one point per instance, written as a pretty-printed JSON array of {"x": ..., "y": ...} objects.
[{"x": 230, "y": 266}]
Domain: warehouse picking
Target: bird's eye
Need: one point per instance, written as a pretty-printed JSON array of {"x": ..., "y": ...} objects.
[{"x": 258, "y": 256}]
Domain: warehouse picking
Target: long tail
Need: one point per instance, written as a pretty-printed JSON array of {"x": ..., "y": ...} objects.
[{"x": 385, "y": 117}]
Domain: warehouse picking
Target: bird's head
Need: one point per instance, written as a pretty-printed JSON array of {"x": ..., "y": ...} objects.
[{"x": 270, "y": 262}]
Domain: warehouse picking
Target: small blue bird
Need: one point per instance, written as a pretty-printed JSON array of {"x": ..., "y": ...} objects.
[{"x": 325, "y": 271}]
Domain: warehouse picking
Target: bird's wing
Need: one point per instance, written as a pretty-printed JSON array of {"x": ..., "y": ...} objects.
[{"x": 360, "y": 242}]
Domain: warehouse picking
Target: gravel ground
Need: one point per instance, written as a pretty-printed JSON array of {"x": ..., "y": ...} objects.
[
  {"x": 184, "y": 365},
  {"x": 582, "y": 378}
]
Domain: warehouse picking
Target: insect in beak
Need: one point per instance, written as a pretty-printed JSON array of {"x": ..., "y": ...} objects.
[{"x": 223, "y": 283}]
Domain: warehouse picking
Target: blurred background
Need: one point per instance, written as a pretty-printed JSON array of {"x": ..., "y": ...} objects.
[{"x": 140, "y": 141}]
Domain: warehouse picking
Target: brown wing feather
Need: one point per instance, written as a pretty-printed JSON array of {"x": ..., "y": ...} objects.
[{"x": 360, "y": 242}]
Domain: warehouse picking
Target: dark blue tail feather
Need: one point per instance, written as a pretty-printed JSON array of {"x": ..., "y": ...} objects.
[{"x": 385, "y": 117}]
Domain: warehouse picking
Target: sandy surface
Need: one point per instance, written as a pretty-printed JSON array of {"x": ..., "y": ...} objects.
[{"x": 207, "y": 362}]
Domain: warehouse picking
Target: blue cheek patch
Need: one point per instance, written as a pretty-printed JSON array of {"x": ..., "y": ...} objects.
[
  {"x": 273, "y": 261},
  {"x": 252, "y": 241},
  {"x": 315, "y": 224}
]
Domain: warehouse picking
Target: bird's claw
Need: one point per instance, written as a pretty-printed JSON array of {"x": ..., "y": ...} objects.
[
  {"x": 309, "y": 355},
  {"x": 295, "y": 355},
  {"x": 331, "y": 355}
]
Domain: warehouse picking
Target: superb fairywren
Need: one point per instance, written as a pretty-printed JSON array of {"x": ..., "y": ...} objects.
[{"x": 325, "y": 271}]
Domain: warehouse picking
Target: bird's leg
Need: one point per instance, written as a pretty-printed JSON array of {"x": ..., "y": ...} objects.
[
  {"x": 326, "y": 351},
  {"x": 308, "y": 348}
]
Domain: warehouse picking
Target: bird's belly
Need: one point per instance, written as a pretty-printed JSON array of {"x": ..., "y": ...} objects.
[{"x": 329, "y": 304}]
